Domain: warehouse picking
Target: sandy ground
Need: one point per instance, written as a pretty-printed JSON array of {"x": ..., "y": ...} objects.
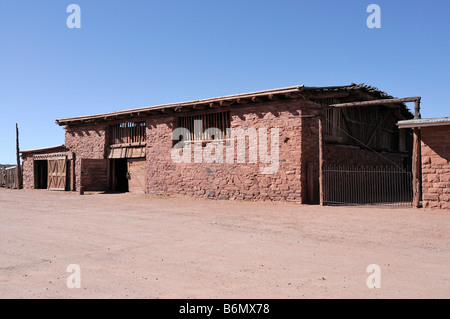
[{"x": 137, "y": 246}]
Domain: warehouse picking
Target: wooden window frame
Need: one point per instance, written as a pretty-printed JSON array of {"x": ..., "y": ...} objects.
[
  {"x": 127, "y": 133},
  {"x": 219, "y": 120}
]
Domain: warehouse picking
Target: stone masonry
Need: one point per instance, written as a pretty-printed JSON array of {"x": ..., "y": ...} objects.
[{"x": 436, "y": 167}]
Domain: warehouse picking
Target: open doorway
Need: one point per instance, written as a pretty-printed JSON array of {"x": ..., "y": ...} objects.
[
  {"x": 41, "y": 174},
  {"x": 119, "y": 172}
]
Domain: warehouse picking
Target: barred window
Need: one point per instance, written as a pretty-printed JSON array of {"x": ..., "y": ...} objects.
[
  {"x": 201, "y": 126},
  {"x": 127, "y": 132}
]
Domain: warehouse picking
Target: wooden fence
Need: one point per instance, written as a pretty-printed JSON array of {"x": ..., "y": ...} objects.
[{"x": 8, "y": 177}]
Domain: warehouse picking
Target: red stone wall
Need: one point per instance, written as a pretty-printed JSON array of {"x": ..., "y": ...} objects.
[
  {"x": 236, "y": 180},
  {"x": 28, "y": 171},
  {"x": 86, "y": 142},
  {"x": 436, "y": 167}
]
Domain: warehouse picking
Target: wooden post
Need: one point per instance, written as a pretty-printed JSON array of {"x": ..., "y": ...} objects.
[
  {"x": 416, "y": 160},
  {"x": 19, "y": 168},
  {"x": 72, "y": 173},
  {"x": 321, "y": 154}
]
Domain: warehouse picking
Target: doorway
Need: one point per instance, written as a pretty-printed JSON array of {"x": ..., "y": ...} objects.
[
  {"x": 41, "y": 174},
  {"x": 119, "y": 178}
]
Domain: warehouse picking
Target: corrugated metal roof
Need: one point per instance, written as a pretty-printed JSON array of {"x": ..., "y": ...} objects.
[{"x": 438, "y": 121}]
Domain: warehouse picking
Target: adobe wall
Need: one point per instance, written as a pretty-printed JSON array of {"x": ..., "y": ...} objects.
[
  {"x": 86, "y": 142},
  {"x": 234, "y": 180},
  {"x": 436, "y": 167}
]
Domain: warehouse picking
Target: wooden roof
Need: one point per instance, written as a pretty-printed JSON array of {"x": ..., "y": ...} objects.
[
  {"x": 45, "y": 149},
  {"x": 353, "y": 92}
]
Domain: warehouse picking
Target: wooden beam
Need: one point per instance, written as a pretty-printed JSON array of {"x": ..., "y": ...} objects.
[
  {"x": 72, "y": 173},
  {"x": 242, "y": 101},
  {"x": 258, "y": 99},
  {"x": 377, "y": 102},
  {"x": 225, "y": 103},
  {"x": 416, "y": 160},
  {"x": 214, "y": 105},
  {"x": 19, "y": 168},
  {"x": 321, "y": 156}
]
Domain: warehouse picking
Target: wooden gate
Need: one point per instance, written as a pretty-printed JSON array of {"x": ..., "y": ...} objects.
[
  {"x": 57, "y": 174},
  {"x": 94, "y": 174}
]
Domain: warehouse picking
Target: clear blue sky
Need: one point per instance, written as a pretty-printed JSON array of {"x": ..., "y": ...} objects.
[{"x": 140, "y": 53}]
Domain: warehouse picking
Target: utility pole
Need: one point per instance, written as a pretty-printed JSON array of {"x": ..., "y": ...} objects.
[{"x": 19, "y": 168}]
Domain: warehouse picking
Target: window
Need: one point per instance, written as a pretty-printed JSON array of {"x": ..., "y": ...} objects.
[
  {"x": 128, "y": 132},
  {"x": 199, "y": 126}
]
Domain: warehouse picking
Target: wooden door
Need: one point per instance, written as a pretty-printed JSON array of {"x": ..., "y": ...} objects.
[
  {"x": 57, "y": 174},
  {"x": 136, "y": 175},
  {"x": 94, "y": 174}
]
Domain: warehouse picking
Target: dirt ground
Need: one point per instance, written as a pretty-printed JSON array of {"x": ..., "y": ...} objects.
[{"x": 142, "y": 246}]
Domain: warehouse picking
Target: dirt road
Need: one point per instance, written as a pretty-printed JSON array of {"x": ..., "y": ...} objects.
[{"x": 136, "y": 246}]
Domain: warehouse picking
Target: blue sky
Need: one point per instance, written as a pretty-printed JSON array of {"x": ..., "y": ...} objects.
[{"x": 139, "y": 53}]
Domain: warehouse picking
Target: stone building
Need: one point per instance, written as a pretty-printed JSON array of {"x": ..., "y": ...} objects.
[
  {"x": 286, "y": 134},
  {"x": 435, "y": 153}
]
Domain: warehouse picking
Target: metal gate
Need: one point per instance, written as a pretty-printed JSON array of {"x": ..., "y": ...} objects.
[{"x": 367, "y": 185}]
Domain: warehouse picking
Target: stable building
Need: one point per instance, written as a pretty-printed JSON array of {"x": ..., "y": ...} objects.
[{"x": 318, "y": 136}]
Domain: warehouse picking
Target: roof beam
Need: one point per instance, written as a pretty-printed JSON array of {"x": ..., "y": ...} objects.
[
  {"x": 258, "y": 99},
  {"x": 376, "y": 102},
  {"x": 214, "y": 105},
  {"x": 225, "y": 103}
]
